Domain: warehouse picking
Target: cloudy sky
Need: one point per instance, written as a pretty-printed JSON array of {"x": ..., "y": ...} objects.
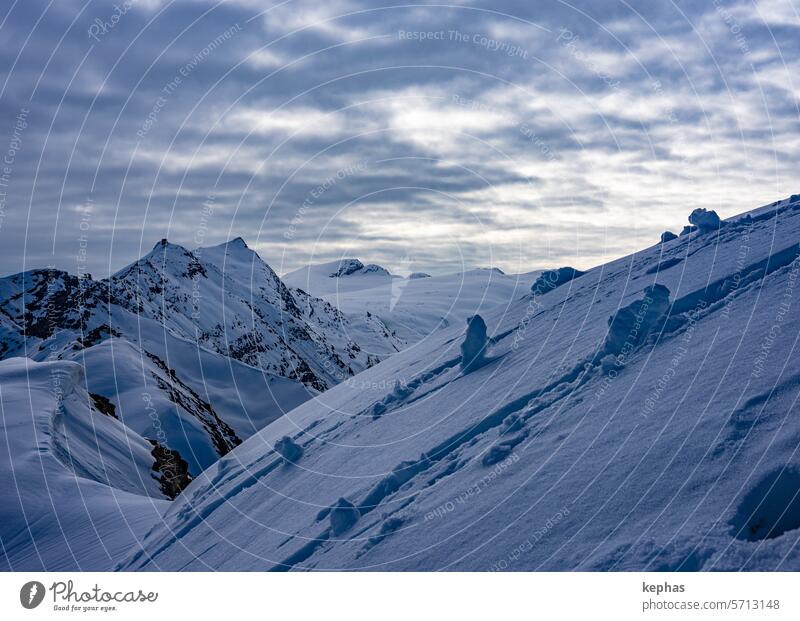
[{"x": 422, "y": 136}]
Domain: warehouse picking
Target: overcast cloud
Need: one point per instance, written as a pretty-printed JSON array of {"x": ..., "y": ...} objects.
[{"x": 514, "y": 134}]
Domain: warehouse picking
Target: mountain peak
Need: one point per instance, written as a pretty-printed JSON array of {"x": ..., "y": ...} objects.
[
  {"x": 237, "y": 242},
  {"x": 374, "y": 268},
  {"x": 164, "y": 256},
  {"x": 348, "y": 267},
  {"x": 164, "y": 244}
]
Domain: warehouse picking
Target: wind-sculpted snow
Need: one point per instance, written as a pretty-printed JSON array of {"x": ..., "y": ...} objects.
[
  {"x": 290, "y": 450},
  {"x": 639, "y": 415},
  {"x": 551, "y": 279},
  {"x": 634, "y": 418},
  {"x": 631, "y": 325},
  {"x": 706, "y": 221},
  {"x": 473, "y": 348},
  {"x": 78, "y": 487}
]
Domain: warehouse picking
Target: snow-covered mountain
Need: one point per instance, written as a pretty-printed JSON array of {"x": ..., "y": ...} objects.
[
  {"x": 196, "y": 349},
  {"x": 174, "y": 360},
  {"x": 345, "y": 275},
  {"x": 639, "y": 416},
  {"x": 228, "y": 300},
  {"x": 410, "y": 308}
]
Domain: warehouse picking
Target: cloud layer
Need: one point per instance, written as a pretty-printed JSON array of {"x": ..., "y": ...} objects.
[{"x": 514, "y": 134}]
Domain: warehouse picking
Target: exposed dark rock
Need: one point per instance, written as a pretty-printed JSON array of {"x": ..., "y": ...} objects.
[
  {"x": 347, "y": 267},
  {"x": 104, "y": 405},
  {"x": 97, "y": 335},
  {"x": 222, "y": 434},
  {"x": 172, "y": 469}
]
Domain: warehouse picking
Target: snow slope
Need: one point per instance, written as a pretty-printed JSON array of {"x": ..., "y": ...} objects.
[
  {"x": 640, "y": 416},
  {"x": 78, "y": 486},
  {"x": 410, "y": 308},
  {"x": 191, "y": 400}
]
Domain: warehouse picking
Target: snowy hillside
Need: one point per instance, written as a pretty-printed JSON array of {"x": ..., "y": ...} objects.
[
  {"x": 197, "y": 349},
  {"x": 79, "y": 487},
  {"x": 639, "y": 416},
  {"x": 410, "y": 307}
]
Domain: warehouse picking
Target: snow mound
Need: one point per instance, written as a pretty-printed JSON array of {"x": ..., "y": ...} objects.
[
  {"x": 551, "y": 279},
  {"x": 343, "y": 516},
  {"x": 630, "y": 326},
  {"x": 473, "y": 348},
  {"x": 290, "y": 450},
  {"x": 706, "y": 221},
  {"x": 79, "y": 488}
]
